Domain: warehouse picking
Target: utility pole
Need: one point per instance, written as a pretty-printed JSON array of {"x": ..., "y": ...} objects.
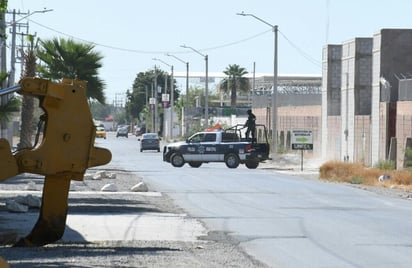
[
  {"x": 206, "y": 57},
  {"x": 4, "y": 99},
  {"x": 186, "y": 123},
  {"x": 171, "y": 99},
  {"x": 275, "y": 79},
  {"x": 155, "y": 125},
  {"x": 13, "y": 31},
  {"x": 14, "y": 25}
]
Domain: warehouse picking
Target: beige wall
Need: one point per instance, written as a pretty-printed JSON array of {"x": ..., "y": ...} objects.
[
  {"x": 403, "y": 129},
  {"x": 362, "y": 138},
  {"x": 294, "y": 117},
  {"x": 334, "y": 138}
]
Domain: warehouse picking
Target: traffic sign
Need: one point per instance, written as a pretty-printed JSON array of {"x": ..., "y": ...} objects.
[{"x": 302, "y": 139}]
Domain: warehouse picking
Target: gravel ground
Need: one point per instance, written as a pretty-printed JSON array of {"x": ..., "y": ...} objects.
[{"x": 213, "y": 250}]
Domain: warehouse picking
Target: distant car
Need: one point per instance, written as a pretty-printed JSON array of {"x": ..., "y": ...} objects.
[
  {"x": 122, "y": 132},
  {"x": 100, "y": 132},
  {"x": 149, "y": 141},
  {"x": 139, "y": 131}
]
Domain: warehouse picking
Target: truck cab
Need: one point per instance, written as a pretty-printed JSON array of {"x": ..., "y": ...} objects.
[{"x": 215, "y": 146}]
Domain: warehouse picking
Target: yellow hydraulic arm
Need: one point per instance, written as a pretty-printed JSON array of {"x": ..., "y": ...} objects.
[{"x": 65, "y": 152}]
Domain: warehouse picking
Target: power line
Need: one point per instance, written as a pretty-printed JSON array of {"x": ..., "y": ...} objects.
[
  {"x": 238, "y": 42},
  {"x": 147, "y": 51},
  {"x": 301, "y": 52}
]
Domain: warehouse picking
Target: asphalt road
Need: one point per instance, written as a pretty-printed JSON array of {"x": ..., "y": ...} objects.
[
  {"x": 288, "y": 221},
  {"x": 115, "y": 229},
  {"x": 278, "y": 220}
]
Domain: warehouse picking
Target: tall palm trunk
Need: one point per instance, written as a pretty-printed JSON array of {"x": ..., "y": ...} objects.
[
  {"x": 26, "y": 132},
  {"x": 233, "y": 94}
]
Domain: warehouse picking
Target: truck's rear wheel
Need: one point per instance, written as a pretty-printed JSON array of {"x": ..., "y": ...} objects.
[
  {"x": 252, "y": 164},
  {"x": 195, "y": 164},
  {"x": 177, "y": 160},
  {"x": 232, "y": 160}
]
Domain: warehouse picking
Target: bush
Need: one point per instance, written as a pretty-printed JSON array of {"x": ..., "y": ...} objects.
[
  {"x": 357, "y": 180},
  {"x": 385, "y": 165},
  {"x": 356, "y": 173},
  {"x": 339, "y": 171}
]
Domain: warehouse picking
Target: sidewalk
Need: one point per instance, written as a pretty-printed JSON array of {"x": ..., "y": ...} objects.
[{"x": 292, "y": 164}]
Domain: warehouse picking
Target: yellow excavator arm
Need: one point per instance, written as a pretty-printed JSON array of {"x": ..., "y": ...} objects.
[{"x": 65, "y": 152}]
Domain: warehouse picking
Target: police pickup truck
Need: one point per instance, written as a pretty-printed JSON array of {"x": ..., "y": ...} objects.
[{"x": 219, "y": 146}]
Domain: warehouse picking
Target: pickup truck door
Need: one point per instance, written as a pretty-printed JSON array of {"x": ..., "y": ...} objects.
[
  {"x": 209, "y": 147},
  {"x": 193, "y": 150}
]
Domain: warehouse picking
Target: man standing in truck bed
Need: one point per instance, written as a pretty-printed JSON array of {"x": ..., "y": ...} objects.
[{"x": 251, "y": 125}]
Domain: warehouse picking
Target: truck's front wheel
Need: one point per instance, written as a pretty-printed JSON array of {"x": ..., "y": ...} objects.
[
  {"x": 177, "y": 160},
  {"x": 232, "y": 160}
]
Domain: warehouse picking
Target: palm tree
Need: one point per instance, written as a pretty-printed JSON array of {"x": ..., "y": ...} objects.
[
  {"x": 68, "y": 59},
  {"x": 234, "y": 82},
  {"x": 27, "y": 110}
]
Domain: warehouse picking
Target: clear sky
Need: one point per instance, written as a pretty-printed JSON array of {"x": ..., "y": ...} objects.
[{"x": 130, "y": 33}]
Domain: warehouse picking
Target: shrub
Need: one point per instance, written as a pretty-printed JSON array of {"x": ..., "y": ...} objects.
[
  {"x": 385, "y": 165},
  {"x": 357, "y": 180},
  {"x": 339, "y": 171},
  {"x": 356, "y": 173}
]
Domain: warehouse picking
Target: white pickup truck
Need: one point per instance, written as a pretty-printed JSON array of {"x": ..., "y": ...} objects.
[{"x": 217, "y": 146}]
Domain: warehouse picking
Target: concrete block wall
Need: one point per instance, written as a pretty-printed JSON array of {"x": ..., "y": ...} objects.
[
  {"x": 403, "y": 129},
  {"x": 363, "y": 77},
  {"x": 334, "y": 139},
  {"x": 331, "y": 94},
  {"x": 392, "y": 57},
  {"x": 300, "y": 117},
  {"x": 355, "y": 95},
  {"x": 382, "y": 142},
  {"x": 294, "y": 117},
  {"x": 377, "y": 149},
  {"x": 359, "y": 93},
  {"x": 263, "y": 116},
  {"x": 362, "y": 140},
  {"x": 348, "y": 98}
]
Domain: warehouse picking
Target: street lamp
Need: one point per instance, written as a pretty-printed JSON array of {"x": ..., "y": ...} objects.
[
  {"x": 187, "y": 76},
  {"x": 206, "y": 85},
  {"x": 275, "y": 78},
  {"x": 186, "y": 122},
  {"x": 153, "y": 101},
  {"x": 171, "y": 95}
]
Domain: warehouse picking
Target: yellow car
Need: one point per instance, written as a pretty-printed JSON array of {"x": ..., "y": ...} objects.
[{"x": 100, "y": 132}]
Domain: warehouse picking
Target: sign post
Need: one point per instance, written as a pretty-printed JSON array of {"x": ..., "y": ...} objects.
[{"x": 302, "y": 139}]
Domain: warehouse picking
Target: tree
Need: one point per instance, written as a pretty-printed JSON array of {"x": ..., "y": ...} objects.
[
  {"x": 12, "y": 105},
  {"x": 138, "y": 97},
  {"x": 234, "y": 82},
  {"x": 68, "y": 59},
  {"x": 27, "y": 111}
]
